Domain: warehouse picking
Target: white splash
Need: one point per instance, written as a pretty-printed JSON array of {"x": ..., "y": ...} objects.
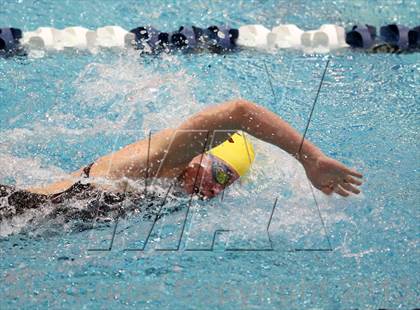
[{"x": 246, "y": 208}]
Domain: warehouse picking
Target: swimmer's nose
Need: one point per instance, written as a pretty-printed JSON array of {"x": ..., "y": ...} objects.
[
  {"x": 212, "y": 193},
  {"x": 215, "y": 190}
]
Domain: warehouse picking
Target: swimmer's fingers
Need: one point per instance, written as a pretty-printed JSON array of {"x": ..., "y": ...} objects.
[
  {"x": 352, "y": 180},
  {"x": 339, "y": 190},
  {"x": 353, "y": 172},
  {"x": 350, "y": 188}
]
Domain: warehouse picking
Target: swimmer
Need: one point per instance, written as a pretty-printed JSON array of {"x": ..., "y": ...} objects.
[
  {"x": 182, "y": 154},
  {"x": 178, "y": 153}
]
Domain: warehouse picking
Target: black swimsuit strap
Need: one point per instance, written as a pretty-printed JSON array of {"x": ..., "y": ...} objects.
[
  {"x": 86, "y": 170},
  {"x": 76, "y": 189}
]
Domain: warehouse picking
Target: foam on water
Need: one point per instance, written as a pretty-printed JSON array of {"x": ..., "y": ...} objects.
[
  {"x": 134, "y": 97},
  {"x": 28, "y": 171},
  {"x": 245, "y": 208}
]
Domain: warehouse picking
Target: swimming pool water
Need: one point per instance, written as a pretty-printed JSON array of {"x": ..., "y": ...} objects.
[{"x": 62, "y": 111}]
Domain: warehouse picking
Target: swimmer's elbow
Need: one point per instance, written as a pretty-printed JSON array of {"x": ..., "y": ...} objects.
[
  {"x": 242, "y": 109},
  {"x": 242, "y": 105}
]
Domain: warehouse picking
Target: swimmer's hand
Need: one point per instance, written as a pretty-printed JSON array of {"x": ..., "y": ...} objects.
[{"x": 329, "y": 175}]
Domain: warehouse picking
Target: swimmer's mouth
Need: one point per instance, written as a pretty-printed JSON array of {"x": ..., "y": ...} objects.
[{"x": 199, "y": 195}]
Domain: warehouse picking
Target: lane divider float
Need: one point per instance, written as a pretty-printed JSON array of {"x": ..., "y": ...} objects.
[{"x": 392, "y": 38}]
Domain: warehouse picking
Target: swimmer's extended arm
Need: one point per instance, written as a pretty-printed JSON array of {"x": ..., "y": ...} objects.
[
  {"x": 170, "y": 150},
  {"x": 235, "y": 115},
  {"x": 325, "y": 173}
]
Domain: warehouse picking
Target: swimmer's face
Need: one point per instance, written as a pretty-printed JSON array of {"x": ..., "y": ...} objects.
[{"x": 208, "y": 176}]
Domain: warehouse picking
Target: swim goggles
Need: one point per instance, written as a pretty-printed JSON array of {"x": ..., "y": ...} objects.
[{"x": 222, "y": 174}]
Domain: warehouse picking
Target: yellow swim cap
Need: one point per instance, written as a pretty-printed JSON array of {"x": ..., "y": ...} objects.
[{"x": 237, "y": 152}]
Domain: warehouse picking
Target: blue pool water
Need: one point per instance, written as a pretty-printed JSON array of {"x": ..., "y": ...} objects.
[{"x": 62, "y": 111}]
